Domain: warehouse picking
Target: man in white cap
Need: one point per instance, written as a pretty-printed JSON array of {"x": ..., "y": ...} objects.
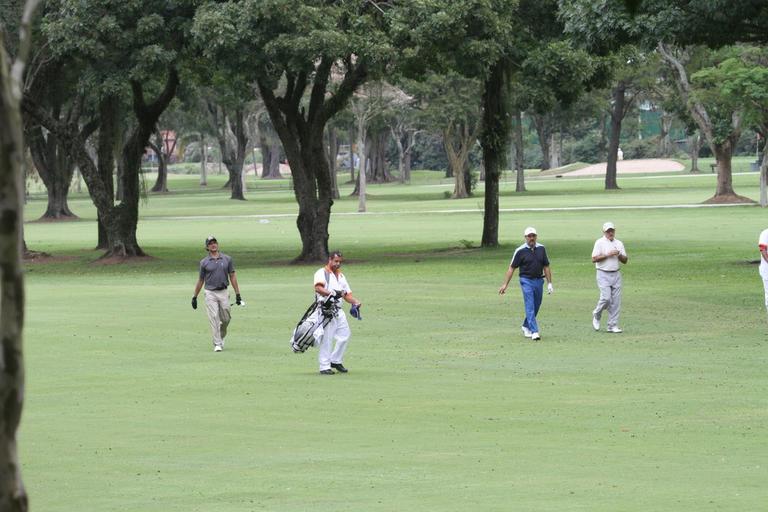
[
  {"x": 607, "y": 255},
  {"x": 531, "y": 259},
  {"x": 762, "y": 244}
]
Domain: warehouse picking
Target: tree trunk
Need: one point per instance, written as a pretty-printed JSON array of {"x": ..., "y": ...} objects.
[
  {"x": 543, "y": 124},
  {"x": 236, "y": 156},
  {"x": 555, "y": 149},
  {"x": 400, "y": 154},
  {"x": 456, "y": 166},
  {"x": 105, "y": 162},
  {"x": 403, "y": 152},
  {"x": 495, "y": 134},
  {"x": 270, "y": 151},
  {"x": 520, "y": 153},
  {"x": 274, "y": 161},
  {"x": 203, "y": 161},
  {"x": 351, "y": 155},
  {"x": 379, "y": 171},
  {"x": 665, "y": 143},
  {"x": 694, "y": 145},
  {"x": 362, "y": 174},
  {"x": 266, "y": 154},
  {"x": 617, "y": 116},
  {"x": 244, "y": 177},
  {"x": 13, "y": 496},
  {"x": 233, "y": 141},
  {"x": 333, "y": 151},
  {"x": 119, "y": 143},
  {"x": 161, "y": 183},
  {"x": 723, "y": 155},
  {"x": 467, "y": 173},
  {"x": 764, "y": 178},
  {"x": 407, "y": 165},
  {"x": 458, "y": 140},
  {"x": 55, "y": 169},
  {"x": 603, "y": 137}
]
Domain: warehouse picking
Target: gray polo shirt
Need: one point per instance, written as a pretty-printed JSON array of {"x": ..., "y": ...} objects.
[{"x": 215, "y": 271}]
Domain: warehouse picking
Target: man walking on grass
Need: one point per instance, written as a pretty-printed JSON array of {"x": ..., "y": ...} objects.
[
  {"x": 531, "y": 259},
  {"x": 216, "y": 272},
  {"x": 330, "y": 287},
  {"x": 607, "y": 256},
  {"x": 762, "y": 245}
]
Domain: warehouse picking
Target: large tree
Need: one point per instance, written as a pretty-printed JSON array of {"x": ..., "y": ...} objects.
[
  {"x": 129, "y": 50},
  {"x": 449, "y": 107},
  {"x": 717, "y": 116},
  {"x": 13, "y": 496},
  {"x": 633, "y": 76},
  {"x": 476, "y": 38},
  {"x": 293, "y": 49},
  {"x": 739, "y": 83},
  {"x": 53, "y": 86}
]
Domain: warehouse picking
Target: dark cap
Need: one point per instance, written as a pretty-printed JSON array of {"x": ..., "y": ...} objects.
[{"x": 209, "y": 240}]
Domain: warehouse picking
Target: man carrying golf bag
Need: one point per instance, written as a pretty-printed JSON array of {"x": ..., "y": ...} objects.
[{"x": 324, "y": 321}]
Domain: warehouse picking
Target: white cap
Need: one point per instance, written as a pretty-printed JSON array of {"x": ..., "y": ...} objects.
[
  {"x": 607, "y": 226},
  {"x": 529, "y": 231}
]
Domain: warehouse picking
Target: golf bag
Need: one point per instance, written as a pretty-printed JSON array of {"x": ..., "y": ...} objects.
[{"x": 318, "y": 315}]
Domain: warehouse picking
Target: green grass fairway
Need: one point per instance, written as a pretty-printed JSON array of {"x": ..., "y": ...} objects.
[{"x": 446, "y": 406}]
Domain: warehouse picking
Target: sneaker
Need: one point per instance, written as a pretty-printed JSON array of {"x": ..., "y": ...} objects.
[
  {"x": 526, "y": 331},
  {"x": 327, "y": 372},
  {"x": 217, "y": 348},
  {"x": 614, "y": 329},
  {"x": 339, "y": 367},
  {"x": 535, "y": 336},
  {"x": 595, "y": 323}
]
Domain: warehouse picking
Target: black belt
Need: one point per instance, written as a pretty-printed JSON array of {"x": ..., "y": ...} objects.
[{"x": 601, "y": 270}]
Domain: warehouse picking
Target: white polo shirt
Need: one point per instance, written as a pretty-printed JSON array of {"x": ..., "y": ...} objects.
[
  {"x": 604, "y": 246},
  {"x": 763, "y": 242},
  {"x": 334, "y": 282}
]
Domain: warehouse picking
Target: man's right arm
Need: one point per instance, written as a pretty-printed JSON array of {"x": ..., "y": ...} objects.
[
  {"x": 320, "y": 289},
  {"x": 507, "y": 278}
]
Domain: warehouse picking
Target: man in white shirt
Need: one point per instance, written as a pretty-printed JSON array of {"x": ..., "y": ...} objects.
[
  {"x": 607, "y": 255},
  {"x": 762, "y": 244},
  {"x": 330, "y": 287}
]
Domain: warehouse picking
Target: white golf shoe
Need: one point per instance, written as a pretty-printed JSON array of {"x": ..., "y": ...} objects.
[
  {"x": 595, "y": 323},
  {"x": 526, "y": 331},
  {"x": 535, "y": 336},
  {"x": 614, "y": 329},
  {"x": 217, "y": 348}
]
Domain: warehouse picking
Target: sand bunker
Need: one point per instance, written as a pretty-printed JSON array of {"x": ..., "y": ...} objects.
[{"x": 631, "y": 167}]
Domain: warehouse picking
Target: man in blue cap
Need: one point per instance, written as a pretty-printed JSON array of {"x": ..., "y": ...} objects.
[{"x": 216, "y": 272}]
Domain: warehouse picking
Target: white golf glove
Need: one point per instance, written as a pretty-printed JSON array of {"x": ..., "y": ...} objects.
[{"x": 550, "y": 289}]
